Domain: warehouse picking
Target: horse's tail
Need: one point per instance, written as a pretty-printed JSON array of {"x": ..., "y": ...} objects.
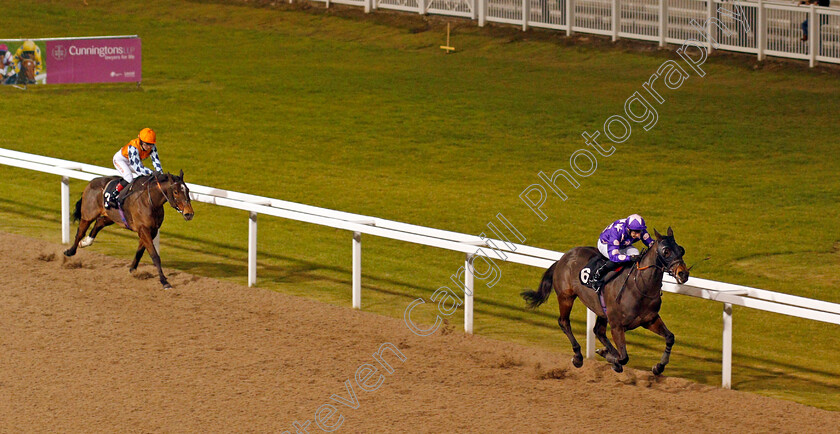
[
  {"x": 536, "y": 298},
  {"x": 77, "y": 214}
]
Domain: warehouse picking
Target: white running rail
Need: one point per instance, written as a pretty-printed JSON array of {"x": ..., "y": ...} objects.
[
  {"x": 775, "y": 28},
  {"x": 726, "y": 293}
]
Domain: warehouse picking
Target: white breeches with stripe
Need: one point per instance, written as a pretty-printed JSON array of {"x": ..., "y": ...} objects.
[{"x": 121, "y": 163}]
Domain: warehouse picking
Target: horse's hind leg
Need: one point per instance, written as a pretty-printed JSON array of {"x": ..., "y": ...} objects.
[
  {"x": 80, "y": 232},
  {"x": 101, "y": 222},
  {"x": 566, "y": 303},
  {"x": 658, "y": 327}
]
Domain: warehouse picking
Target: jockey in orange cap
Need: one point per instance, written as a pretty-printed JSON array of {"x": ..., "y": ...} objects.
[{"x": 128, "y": 161}]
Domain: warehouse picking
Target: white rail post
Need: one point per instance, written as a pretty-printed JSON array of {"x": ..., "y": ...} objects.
[
  {"x": 663, "y": 22},
  {"x": 570, "y": 16},
  {"x": 252, "y": 249},
  {"x": 727, "y": 346},
  {"x": 482, "y": 12},
  {"x": 474, "y": 9},
  {"x": 65, "y": 210},
  {"x": 526, "y": 13},
  {"x": 761, "y": 30},
  {"x": 357, "y": 270},
  {"x": 614, "y": 19},
  {"x": 368, "y": 6},
  {"x": 422, "y": 6},
  {"x": 590, "y": 334},
  {"x": 469, "y": 284},
  {"x": 812, "y": 36},
  {"x": 710, "y": 13}
]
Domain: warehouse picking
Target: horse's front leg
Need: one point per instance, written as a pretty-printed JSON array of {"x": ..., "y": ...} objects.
[
  {"x": 618, "y": 356},
  {"x": 147, "y": 236},
  {"x": 658, "y": 326},
  {"x": 140, "y": 250},
  {"x": 609, "y": 352}
]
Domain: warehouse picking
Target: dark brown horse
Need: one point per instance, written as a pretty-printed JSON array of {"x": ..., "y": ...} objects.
[
  {"x": 632, "y": 298},
  {"x": 143, "y": 210}
]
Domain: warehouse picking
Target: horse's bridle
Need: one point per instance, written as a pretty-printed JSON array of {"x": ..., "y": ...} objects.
[
  {"x": 171, "y": 202},
  {"x": 659, "y": 265}
]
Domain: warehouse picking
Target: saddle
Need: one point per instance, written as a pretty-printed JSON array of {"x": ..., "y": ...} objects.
[
  {"x": 111, "y": 196},
  {"x": 596, "y": 262}
]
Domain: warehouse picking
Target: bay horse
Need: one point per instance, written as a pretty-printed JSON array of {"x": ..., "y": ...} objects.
[
  {"x": 632, "y": 298},
  {"x": 142, "y": 210},
  {"x": 27, "y": 72}
]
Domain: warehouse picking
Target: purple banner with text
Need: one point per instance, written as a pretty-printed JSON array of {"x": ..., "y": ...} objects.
[{"x": 94, "y": 60}]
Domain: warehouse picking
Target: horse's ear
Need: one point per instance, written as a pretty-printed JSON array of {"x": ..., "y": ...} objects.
[
  {"x": 658, "y": 235},
  {"x": 181, "y": 175},
  {"x": 670, "y": 232}
]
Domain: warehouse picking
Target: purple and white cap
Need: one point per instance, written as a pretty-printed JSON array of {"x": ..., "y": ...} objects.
[{"x": 636, "y": 223}]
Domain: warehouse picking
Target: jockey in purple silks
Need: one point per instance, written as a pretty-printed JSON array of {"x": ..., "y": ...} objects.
[{"x": 616, "y": 244}]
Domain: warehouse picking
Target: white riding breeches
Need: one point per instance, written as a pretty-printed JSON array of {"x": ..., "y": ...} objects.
[
  {"x": 623, "y": 253},
  {"x": 121, "y": 163}
]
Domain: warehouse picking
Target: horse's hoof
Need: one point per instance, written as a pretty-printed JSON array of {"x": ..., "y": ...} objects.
[
  {"x": 69, "y": 253},
  {"x": 658, "y": 369},
  {"x": 578, "y": 362},
  {"x": 618, "y": 368},
  {"x": 167, "y": 286}
]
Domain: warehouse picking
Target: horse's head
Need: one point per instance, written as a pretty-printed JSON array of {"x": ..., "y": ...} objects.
[
  {"x": 27, "y": 71},
  {"x": 670, "y": 255},
  {"x": 178, "y": 194}
]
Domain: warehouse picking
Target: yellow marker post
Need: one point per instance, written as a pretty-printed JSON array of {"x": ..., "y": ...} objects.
[{"x": 447, "y": 47}]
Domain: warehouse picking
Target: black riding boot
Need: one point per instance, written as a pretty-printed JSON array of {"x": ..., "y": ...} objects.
[
  {"x": 120, "y": 197},
  {"x": 114, "y": 201},
  {"x": 597, "y": 281}
]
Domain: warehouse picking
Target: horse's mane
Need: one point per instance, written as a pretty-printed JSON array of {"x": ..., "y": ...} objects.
[{"x": 143, "y": 181}]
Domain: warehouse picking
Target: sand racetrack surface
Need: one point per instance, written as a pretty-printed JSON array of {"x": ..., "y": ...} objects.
[{"x": 85, "y": 347}]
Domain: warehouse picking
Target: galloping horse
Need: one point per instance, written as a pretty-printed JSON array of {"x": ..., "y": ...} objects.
[
  {"x": 632, "y": 299},
  {"x": 142, "y": 212},
  {"x": 27, "y": 72}
]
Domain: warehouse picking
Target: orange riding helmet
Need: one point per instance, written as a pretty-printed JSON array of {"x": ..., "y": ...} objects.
[{"x": 147, "y": 135}]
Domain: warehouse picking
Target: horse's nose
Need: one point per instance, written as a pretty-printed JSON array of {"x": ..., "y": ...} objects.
[
  {"x": 188, "y": 216},
  {"x": 683, "y": 275}
]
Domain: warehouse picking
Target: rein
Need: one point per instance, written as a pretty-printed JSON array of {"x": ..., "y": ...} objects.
[{"x": 663, "y": 268}]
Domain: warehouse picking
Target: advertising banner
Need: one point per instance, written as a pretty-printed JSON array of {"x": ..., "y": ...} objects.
[{"x": 79, "y": 60}]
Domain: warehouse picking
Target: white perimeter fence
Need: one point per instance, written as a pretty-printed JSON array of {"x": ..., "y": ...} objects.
[
  {"x": 725, "y": 293},
  {"x": 775, "y": 29}
]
